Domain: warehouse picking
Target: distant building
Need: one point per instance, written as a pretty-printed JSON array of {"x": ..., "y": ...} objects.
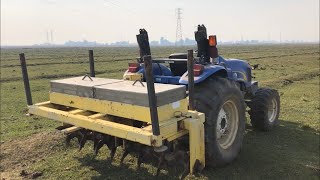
[
  {"x": 165, "y": 42},
  {"x": 189, "y": 42},
  {"x": 83, "y": 43},
  {"x": 120, "y": 43},
  {"x": 154, "y": 43}
]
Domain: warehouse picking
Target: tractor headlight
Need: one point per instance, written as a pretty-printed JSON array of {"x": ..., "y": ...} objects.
[{"x": 235, "y": 76}]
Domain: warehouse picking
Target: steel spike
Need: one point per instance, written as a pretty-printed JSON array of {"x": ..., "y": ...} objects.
[
  {"x": 124, "y": 155},
  {"x": 98, "y": 146},
  {"x": 83, "y": 140},
  {"x": 112, "y": 153},
  {"x": 69, "y": 137},
  {"x": 161, "y": 159},
  {"x": 140, "y": 157},
  {"x": 95, "y": 140}
]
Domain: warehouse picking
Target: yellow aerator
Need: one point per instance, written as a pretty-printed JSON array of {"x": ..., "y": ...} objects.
[{"x": 126, "y": 113}]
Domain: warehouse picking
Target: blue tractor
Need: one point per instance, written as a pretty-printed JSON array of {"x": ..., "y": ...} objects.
[{"x": 223, "y": 90}]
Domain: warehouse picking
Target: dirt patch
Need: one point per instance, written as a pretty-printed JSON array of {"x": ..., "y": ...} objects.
[
  {"x": 287, "y": 80},
  {"x": 16, "y": 155},
  {"x": 285, "y": 55}
]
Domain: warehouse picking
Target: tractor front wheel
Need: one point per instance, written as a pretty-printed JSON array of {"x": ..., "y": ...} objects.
[
  {"x": 264, "y": 109},
  {"x": 223, "y": 104}
]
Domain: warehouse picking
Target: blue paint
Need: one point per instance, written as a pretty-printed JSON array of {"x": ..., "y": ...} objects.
[
  {"x": 167, "y": 79},
  {"x": 158, "y": 69},
  {"x": 241, "y": 68},
  {"x": 208, "y": 71},
  {"x": 238, "y": 70}
]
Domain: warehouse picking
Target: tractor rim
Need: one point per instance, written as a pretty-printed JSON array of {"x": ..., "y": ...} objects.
[
  {"x": 272, "y": 110},
  {"x": 227, "y": 124}
]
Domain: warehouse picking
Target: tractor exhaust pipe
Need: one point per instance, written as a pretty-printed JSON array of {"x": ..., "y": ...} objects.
[
  {"x": 145, "y": 57},
  {"x": 143, "y": 42},
  {"x": 206, "y": 47},
  {"x": 202, "y": 43},
  {"x": 151, "y": 95}
]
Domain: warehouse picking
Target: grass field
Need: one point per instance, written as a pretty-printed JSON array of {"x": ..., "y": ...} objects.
[{"x": 291, "y": 151}]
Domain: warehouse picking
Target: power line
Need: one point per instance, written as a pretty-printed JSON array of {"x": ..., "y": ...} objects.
[{"x": 179, "y": 40}]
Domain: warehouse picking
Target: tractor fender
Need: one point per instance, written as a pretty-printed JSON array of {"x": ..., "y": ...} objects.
[
  {"x": 158, "y": 69},
  {"x": 207, "y": 72},
  {"x": 241, "y": 68}
]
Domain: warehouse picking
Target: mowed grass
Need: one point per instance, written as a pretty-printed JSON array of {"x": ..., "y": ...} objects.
[{"x": 291, "y": 151}]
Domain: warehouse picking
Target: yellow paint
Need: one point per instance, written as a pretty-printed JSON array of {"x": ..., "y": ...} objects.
[
  {"x": 177, "y": 135},
  {"x": 71, "y": 129},
  {"x": 100, "y": 125},
  {"x": 98, "y": 115},
  {"x": 172, "y": 128},
  {"x": 133, "y": 76},
  {"x": 196, "y": 115},
  {"x": 77, "y": 111},
  {"x": 129, "y": 111},
  {"x": 196, "y": 141},
  {"x": 168, "y": 128}
]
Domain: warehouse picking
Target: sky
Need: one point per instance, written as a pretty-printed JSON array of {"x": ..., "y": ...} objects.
[{"x": 26, "y": 22}]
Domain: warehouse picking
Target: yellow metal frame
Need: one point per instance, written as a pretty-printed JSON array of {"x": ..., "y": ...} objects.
[
  {"x": 170, "y": 129},
  {"x": 196, "y": 140},
  {"x": 129, "y": 111},
  {"x": 96, "y": 122}
]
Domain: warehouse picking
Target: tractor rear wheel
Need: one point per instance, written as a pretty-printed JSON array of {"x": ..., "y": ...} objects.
[
  {"x": 223, "y": 104},
  {"x": 264, "y": 109}
]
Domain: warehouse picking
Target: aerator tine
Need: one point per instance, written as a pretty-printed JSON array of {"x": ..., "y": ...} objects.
[
  {"x": 100, "y": 140},
  {"x": 112, "y": 145},
  {"x": 71, "y": 136},
  {"x": 127, "y": 147},
  {"x": 97, "y": 142},
  {"x": 85, "y": 135},
  {"x": 97, "y": 146}
]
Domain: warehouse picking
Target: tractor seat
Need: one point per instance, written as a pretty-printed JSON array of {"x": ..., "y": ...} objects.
[{"x": 178, "y": 68}]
